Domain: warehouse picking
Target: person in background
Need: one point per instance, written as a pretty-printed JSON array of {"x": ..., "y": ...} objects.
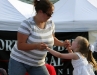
[
  {"x": 51, "y": 69},
  {"x": 3, "y": 71},
  {"x": 95, "y": 50},
  {"x": 81, "y": 55},
  {"x": 32, "y": 37}
]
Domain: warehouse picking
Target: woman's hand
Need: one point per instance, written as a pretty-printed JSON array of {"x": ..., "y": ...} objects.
[
  {"x": 67, "y": 43},
  {"x": 68, "y": 46}
]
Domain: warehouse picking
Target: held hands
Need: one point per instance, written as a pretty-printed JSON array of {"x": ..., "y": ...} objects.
[
  {"x": 67, "y": 43},
  {"x": 69, "y": 49},
  {"x": 41, "y": 46},
  {"x": 48, "y": 48}
]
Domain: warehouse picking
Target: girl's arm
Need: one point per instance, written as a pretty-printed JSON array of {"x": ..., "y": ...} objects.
[
  {"x": 61, "y": 55},
  {"x": 69, "y": 50},
  {"x": 69, "y": 47}
]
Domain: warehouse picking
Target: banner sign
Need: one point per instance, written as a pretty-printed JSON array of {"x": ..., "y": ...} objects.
[{"x": 62, "y": 66}]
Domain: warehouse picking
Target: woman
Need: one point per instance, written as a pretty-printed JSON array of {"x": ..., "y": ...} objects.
[{"x": 32, "y": 37}]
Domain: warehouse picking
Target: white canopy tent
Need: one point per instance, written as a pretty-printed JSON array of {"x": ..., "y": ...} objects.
[
  {"x": 25, "y": 9},
  {"x": 69, "y": 15},
  {"x": 76, "y": 16},
  {"x": 12, "y": 12}
]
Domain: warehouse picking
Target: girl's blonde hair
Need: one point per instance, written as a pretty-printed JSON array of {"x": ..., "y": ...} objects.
[{"x": 84, "y": 49}]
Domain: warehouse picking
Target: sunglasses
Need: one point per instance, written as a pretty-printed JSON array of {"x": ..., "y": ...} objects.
[{"x": 49, "y": 14}]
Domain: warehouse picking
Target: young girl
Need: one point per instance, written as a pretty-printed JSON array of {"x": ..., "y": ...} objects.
[{"x": 81, "y": 55}]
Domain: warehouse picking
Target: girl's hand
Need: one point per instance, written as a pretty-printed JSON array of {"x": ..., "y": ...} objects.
[
  {"x": 47, "y": 48},
  {"x": 69, "y": 49},
  {"x": 67, "y": 45},
  {"x": 41, "y": 46}
]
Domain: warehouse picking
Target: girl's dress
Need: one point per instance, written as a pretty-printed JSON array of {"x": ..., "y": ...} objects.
[{"x": 81, "y": 66}]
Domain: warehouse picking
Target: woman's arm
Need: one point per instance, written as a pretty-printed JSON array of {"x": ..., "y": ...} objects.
[
  {"x": 59, "y": 43},
  {"x": 61, "y": 55},
  {"x": 23, "y": 45}
]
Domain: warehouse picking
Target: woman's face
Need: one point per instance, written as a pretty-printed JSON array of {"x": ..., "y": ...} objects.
[{"x": 45, "y": 16}]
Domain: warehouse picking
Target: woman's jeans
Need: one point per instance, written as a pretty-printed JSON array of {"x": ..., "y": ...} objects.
[{"x": 18, "y": 68}]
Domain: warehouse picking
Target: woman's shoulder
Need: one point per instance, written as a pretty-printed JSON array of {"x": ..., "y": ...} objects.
[{"x": 29, "y": 21}]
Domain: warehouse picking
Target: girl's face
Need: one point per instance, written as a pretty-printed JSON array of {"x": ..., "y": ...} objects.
[{"x": 75, "y": 45}]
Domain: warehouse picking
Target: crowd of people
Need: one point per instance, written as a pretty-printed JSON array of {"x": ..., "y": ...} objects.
[{"x": 35, "y": 37}]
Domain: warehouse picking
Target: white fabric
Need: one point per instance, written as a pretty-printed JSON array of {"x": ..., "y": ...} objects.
[
  {"x": 25, "y": 9},
  {"x": 10, "y": 16},
  {"x": 92, "y": 36},
  {"x": 81, "y": 66},
  {"x": 12, "y": 12},
  {"x": 95, "y": 45},
  {"x": 9, "y": 13},
  {"x": 75, "y": 15},
  {"x": 91, "y": 47}
]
